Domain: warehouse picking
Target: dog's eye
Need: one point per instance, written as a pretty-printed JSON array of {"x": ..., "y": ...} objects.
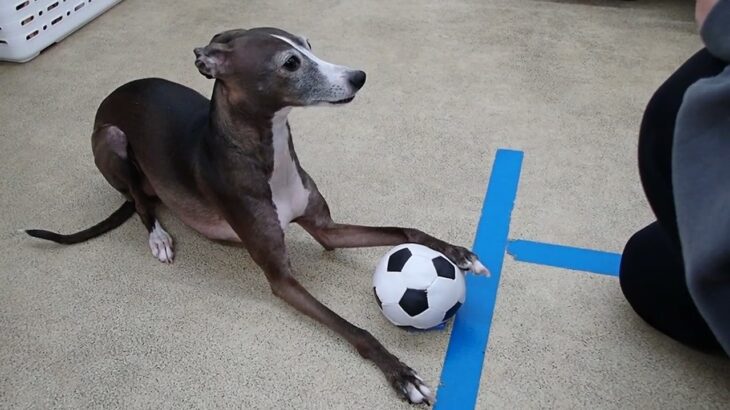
[{"x": 292, "y": 63}]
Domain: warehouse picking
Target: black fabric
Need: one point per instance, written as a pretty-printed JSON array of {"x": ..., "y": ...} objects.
[
  {"x": 653, "y": 281},
  {"x": 657, "y": 134},
  {"x": 652, "y": 272}
]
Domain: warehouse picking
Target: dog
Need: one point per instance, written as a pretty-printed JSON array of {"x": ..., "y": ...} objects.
[{"x": 227, "y": 168}]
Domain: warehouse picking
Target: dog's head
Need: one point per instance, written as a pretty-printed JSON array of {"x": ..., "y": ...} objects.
[{"x": 273, "y": 67}]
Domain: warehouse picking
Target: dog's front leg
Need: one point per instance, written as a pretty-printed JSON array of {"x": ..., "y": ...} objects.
[
  {"x": 318, "y": 222},
  {"x": 258, "y": 227}
]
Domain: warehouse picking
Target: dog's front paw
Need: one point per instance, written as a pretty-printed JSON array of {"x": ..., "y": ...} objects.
[
  {"x": 409, "y": 385},
  {"x": 466, "y": 260}
]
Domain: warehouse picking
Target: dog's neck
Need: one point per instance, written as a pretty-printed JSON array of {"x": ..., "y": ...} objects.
[{"x": 237, "y": 119}]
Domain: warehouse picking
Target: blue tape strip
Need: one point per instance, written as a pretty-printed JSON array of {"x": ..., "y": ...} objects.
[
  {"x": 588, "y": 260},
  {"x": 465, "y": 354}
]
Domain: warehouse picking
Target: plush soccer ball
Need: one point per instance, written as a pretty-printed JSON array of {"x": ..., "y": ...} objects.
[{"x": 418, "y": 287}]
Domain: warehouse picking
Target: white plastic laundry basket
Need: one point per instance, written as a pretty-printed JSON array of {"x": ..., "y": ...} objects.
[{"x": 29, "y": 26}]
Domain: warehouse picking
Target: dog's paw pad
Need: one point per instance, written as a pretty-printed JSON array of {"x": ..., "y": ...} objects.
[{"x": 161, "y": 244}]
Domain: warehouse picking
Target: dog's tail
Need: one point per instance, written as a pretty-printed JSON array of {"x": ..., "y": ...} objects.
[{"x": 114, "y": 220}]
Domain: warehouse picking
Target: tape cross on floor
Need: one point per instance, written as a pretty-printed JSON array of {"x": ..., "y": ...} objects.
[{"x": 462, "y": 370}]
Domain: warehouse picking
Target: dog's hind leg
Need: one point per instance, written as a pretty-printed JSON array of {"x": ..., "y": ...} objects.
[{"x": 114, "y": 159}]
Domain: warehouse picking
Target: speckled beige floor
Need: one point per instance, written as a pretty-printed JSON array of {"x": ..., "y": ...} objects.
[{"x": 104, "y": 324}]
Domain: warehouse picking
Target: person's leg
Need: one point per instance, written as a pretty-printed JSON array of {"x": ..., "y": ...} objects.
[
  {"x": 652, "y": 279},
  {"x": 652, "y": 270}
]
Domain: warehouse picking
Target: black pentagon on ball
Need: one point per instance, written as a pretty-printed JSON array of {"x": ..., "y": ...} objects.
[
  {"x": 452, "y": 311},
  {"x": 414, "y": 301},
  {"x": 398, "y": 260},
  {"x": 444, "y": 268},
  {"x": 380, "y": 303}
]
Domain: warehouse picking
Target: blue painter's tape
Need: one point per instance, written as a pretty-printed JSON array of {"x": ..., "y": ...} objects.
[
  {"x": 462, "y": 369},
  {"x": 587, "y": 260}
]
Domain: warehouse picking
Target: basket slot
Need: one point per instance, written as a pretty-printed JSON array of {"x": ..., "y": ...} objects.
[
  {"x": 31, "y": 35},
  {"x": 3, "y": 42},
  {"x": 56, "y": 20},
  {"x": 27, "y": 20},
  {"x": 77, "y": 8},
  {"x": 52, "y": 6},
  {"x": 23, "y": 4}
]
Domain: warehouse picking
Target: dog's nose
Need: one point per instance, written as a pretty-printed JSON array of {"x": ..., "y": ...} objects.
[{"x": 357, "y": 79}]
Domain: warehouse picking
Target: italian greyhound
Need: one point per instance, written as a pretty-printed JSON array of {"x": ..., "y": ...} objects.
[{"x": 227, "y": 168}]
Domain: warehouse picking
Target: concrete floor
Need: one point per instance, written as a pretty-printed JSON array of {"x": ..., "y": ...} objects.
[{"x": 103, "y": 324}]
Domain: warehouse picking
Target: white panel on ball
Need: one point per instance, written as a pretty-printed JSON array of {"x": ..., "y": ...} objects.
[
  {"x": 418, "y": 272},
  {"x": 389, "y": 286},
  {"x": 396, "y": 315}
]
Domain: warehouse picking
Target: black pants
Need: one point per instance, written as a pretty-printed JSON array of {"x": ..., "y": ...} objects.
[{"x": 652, "y": 271}]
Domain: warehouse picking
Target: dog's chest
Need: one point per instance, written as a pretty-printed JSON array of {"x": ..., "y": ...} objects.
[{"x": 287, "y": 190}]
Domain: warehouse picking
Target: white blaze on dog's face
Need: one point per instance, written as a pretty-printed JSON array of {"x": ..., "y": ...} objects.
[{"x": 319, "y": 81}]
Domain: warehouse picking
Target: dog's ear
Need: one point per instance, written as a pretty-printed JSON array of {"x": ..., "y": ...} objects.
[
  {"x": 213, "y": 60},
  {"x": 305, "y": 41},
  {"x": 228, "y": 35}
]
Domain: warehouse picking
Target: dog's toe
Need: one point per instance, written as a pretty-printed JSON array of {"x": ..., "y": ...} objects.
[
  {"x": 165, "y": 254},
  {"x": 471, "y": 263},
  {"x": 161, "y": 244},
  {"x": 411, "y": 386},
  {"x": 418, "y": 392},
  {"x": 478, "y": 268}
]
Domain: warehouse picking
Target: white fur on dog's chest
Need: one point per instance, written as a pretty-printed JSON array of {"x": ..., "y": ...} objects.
[{"x": 287, "y": 190}]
